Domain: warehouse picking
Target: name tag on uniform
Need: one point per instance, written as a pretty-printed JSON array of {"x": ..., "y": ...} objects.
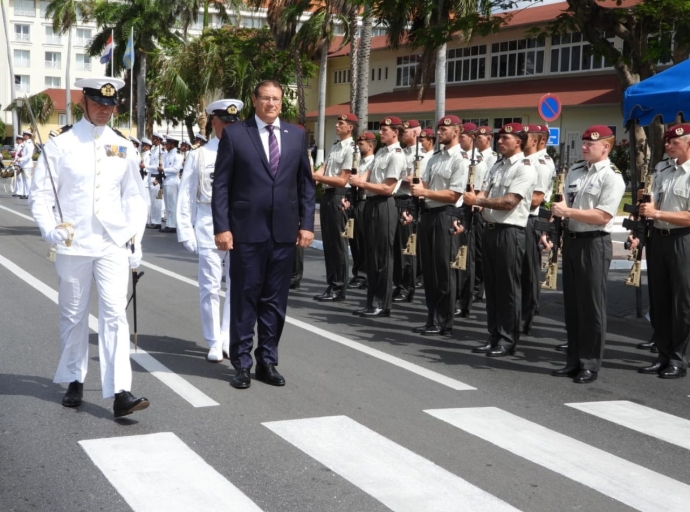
[{"x": 112, "y": 150}]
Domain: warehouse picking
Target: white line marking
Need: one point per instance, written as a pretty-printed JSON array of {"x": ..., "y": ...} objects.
[
  {"x": 378, "y": 354},
  {"x": 642, "y": 419},
  {"x": 629, "y": 483},
  {"x": 400, "y": 479},
  {"x": 17, "y": 213},
  {"x": 159, "y": 472},
  {"x": 179, "y": 385}
]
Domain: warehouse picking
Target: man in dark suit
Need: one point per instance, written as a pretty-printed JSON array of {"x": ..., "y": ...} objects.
[{"x": 263, "y": 206}]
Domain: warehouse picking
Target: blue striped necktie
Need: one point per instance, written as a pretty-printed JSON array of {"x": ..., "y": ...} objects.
[{"x": 273, "y": 151}]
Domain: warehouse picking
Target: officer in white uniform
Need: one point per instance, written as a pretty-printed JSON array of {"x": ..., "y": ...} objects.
[
  {"x": 103, "y": 203},
  {"x": 18, "y": 146},
  {"x": 26, "y": 164},
  {"x": 155, "y": 192},
  {"x": 195, "y": 230},
  {"x": 172, "y": 165},
  {"x": 144, "y": 156}
]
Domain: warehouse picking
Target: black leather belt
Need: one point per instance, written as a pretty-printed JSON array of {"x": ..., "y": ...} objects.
[
  {"x": 587, "y": 234},
  {"x": 435, "y": 210},
  {"x": 497, "y": 225},
  {"x": 672, "y": 232},
  {"x": 337, "y": 191},
  {"x": 378, "y": 199}
]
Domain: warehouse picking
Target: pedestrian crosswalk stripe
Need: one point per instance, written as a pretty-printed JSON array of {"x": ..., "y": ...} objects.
[
  {"x": 400, "y": 479},
  {"x": 646, "y": 420},
  {"x": 629, "y": 483},
  {"x": 159, "y": 472}
]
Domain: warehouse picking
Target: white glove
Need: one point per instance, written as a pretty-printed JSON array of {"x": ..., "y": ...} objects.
[
  {"x": 57, "y": 235},
  {"x": 190, "y": 245},
  {"x": 135, "y": 258}
]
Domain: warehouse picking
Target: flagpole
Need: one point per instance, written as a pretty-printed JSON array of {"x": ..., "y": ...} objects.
[
  {"x": 112, "y": 57},
  {"x": 131, "y": 83}
]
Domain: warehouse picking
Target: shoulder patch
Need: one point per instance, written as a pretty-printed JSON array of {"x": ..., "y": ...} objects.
[
  {"x": 526, "y": 161},
  {"x": 119, "y": 133},
  {"x": 542, "y": 161},
  {"x": 615, "y": 169},
  {"x": 64, "y": 129},
  {"x": 479, "y": 158},
  {"x": 494, "y": 153},
  {"x": 547, "y": 157},
  {"x": 398, "y": 150},
  {"x": 464, "y": 155}
]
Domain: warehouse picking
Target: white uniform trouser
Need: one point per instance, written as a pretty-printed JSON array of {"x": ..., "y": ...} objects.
[
  {"x": 28, "y": 171},
  {"x": 22, "y": 181},
  {"x": 15, "y": 183},
  {"x": 156, "y": 207},
  {"x": 216, "y": 328},
  {"x": 170, "y": 195},
  {"x": 75, "y": 274}
]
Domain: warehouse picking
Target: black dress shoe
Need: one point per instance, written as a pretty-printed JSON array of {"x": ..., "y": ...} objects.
[
  {"x": 482, "y": 349},
  {"x": 332, "y": 297},
  {"x": 359, "y": 285},
  {"x": 566, "y": 372},
  {"x": 73, "y": 395},
  {"x": 562, "y": 348},
  {"x": 501, "y": 351},
  {"x": 654, "y": 349},
  {"x": 673, "y": 372},
  {"x": 241, "y": 380},
  {"x": 153, "y": 226},
  {"x": 396, "y": 292},
  {"x": 585, "y": 377},
  {"x": 267, "y": 373},
  {"x": 462, "y": 313},
  {"x": 436, "y": 330},
  {"x": 360, "y": 312},
  {"x": 126, "y": 403},
  {"x": 166, "y": 229},
  {"x": 404, "y": 298},
  {"x": 375, "y": 312},
  {"x": 645, "y": 346},
  {"x": 294, "y": 286},
  {"x": 327, "y": 293},
  {"x": 654, "y": 369},
  {"x": 421, "y": 328},
  {"x": 477, "y": 298},
  {"x": 419, "y": 283}
]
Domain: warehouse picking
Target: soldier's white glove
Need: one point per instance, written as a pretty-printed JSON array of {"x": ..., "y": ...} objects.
[
  {"x": 135, "y": 258},
  {"x": 57, "y": 235},
  {"x": 190, "y": 245}
]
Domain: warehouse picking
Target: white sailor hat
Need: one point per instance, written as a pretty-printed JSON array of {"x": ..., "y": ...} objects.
[
  {"x": 102, "y": 90},
  {"x": 185, "y": 141},
  {"x": 171, "y": 138},
  {"x": 145, "y": 140},
  {"x": 200, "y": 137},
  {"x": 134, "y": 139},
  {"x": 157, "y": 135},
  {"x": 27, "y": 132},
  {"x": 227, "y": 110}
]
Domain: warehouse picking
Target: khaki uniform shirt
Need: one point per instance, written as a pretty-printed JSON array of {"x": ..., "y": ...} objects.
[
  {"x": 339, "y": 158},
  {"x": 544, "y": 179},
  {"x": 593, "y": 187},
  {"x": 490, "y": 157},
  {"x": 389, "y": 162},
  {"x": 671, "y": 191},
  {"x": 514, "y": 175},
  {"x": 446, "y": 170}
]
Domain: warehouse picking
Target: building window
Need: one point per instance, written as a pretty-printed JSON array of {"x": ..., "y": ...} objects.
[
  {"x": 406, "y": 69},
  {"x": 52, "y": 37},
  {"x": 572, "y": 52},
  {"x": 521, "y": 57},
  {"x": 465, "y": 64},
  {"x": 22, "y": 33},
  {"x": 342, "y": 76},
  {"x": 83, "y": 62},
  {"x": 62, "y": 119},
  {"x": 500, "y": 122},
  {"x": 479, "y": 121},
  {"x": 248, "y": 22},
  {"x": 373, "y": 125},
  {"x": 22, "y": 58},
  {"x": 53, "y": 82},
  {"x": 378, "y": 30},
  {"x": 83, "y": 37},
  {"x": 379, "y": 74},
  {"x": 25, "y": 8},
  {"x": 21, "y": 83},
  {"x": 53, "y": 60}
]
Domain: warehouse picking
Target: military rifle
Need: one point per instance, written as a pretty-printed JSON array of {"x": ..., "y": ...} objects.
[
  {"x": 353, "y": 197},
  {"x": 460, "y": 262},
  {"x": 416, "y": 207}
]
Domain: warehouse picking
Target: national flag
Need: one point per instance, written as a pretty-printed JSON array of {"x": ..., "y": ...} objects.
[
  {"x": 128, "y": 57},
  {"x": 108, "y": 50}
]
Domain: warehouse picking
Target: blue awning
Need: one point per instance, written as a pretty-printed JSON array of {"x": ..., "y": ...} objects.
[{"x": 665, "y": 94}]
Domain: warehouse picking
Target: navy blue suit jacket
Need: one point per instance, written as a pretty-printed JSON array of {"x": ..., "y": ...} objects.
[{"x": 248, "y": 200}]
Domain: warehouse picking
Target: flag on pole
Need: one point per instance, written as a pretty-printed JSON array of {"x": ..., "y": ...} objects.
[
  {"x": 108, "y": 50},
  {"x": 128, "y": 57}
]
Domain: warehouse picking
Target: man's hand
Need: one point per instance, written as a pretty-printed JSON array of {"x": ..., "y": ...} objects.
[
  {"x": 546, "y": 243},
  {"x": 304, "y": 238},
  {"x": 224, "y": 241},
  {"x": 135, "y": 258},
  {"x": 142, "y": 166},
  {"x": 344, "y": 204},
  {"x": 417, "y": 189},
  {"x": 469, "y": 198},
  {"x": 633, "y": 241},
  {"x": 458, "y": 228},
  {"x": 406, "y": 218},
  {"x": 190, "y": 245},
  {"x": 57, "y": 235},
  {"x": 648, "y": 210},
  {"x": 356, "y": 180},
  {"x": 560, "y": 210}
]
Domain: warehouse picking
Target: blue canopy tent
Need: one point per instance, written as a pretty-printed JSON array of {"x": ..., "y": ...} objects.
[{"x": 665, "y": 94}]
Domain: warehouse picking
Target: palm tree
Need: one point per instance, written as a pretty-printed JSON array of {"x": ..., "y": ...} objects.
[
  {"x": 361, "y": 107},
  {"x": 65, "y": 14},
  {"x": 13, "y": 95},
  {"x": 42, "y": 107}
]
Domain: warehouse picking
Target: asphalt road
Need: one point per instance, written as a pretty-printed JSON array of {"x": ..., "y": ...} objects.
[{"x": 372, "y": 418}]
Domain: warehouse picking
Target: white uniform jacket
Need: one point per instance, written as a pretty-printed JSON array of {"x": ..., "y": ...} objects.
[
  {"x": 96, "y": 173},
  {"x": 172, "y": 165},
  {"x": 25, "y": 161},
  {"x": 194, "y": 216}
]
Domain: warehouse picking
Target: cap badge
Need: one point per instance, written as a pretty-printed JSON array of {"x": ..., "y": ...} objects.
[
  {"x": 406, "y": 124},
  {"x": 108, "y": 91},
  {"x": 387, "y": 121},
  {"x": 679, "y": 130},
  {"x": 595, "y": 136},
  {"x": 525, "y": 129},
  {"x": 508, "y": 129},
  {"x": 447, "y": 121},
  {"x": 232, "y": 110}
]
